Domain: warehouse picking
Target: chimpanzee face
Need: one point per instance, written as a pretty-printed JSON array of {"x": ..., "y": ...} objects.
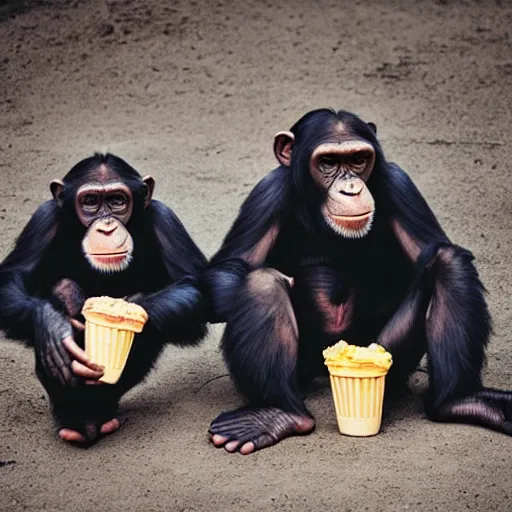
[
  {"x": 342, "y": 170},
  {"x": 105, "y": 210},
  {"x": 104, "y": 205},
  {"x": 340, "y": 166}
]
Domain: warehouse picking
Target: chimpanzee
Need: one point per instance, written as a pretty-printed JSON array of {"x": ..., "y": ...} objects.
[
  {"x": 338, "y": 243},
  {"x": 101, "y": 234}
]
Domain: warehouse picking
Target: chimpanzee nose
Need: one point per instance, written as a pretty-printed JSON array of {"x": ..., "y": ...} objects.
[
  {"x": 107, "y": 230},
  {"x": 351, "y": 188}
]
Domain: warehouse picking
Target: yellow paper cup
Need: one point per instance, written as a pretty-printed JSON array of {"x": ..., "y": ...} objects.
[
  {"x": 110, "y": 326},
  {"x": 358, "y": 396},
  {"x": 108, "y": 347}
]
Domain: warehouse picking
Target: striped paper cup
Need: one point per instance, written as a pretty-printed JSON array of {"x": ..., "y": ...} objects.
[
  {"x": 358, "y": 397},
  {"x": 108, "y": 347}
]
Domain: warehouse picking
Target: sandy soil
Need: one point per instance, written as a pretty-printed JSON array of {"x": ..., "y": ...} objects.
[{"x": 192, "y": 93}]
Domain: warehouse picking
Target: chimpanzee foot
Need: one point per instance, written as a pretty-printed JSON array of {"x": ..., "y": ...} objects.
[
  {"x": 247, "y": 430},
  {"x": 91, "y": 431},
  {"x": 489, "y": 408},
  {"x": 71, "y": 436}
]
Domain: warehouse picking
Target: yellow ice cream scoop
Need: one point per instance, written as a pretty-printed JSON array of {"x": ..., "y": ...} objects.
[{"x": 373, "y": 359}]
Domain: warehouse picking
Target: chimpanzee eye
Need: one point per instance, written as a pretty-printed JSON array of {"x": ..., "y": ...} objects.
[
  {"x": 359, "y": 160},
  {"x": 328, "y": 164},
  {"x": 90, "y": 202},
  {"x": 117, "y": 202}
]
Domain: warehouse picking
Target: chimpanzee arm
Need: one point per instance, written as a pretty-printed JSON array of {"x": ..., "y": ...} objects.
[
  {"x": 457, "y": 320},
  {"x": 176, "y": 313},
  {"x": 182, "y": 257},
  {"x": 413, "y": 222},
  {"x": 28, "y": 317},
  {"x": 248, "y": 243},
  {"x": 457, "y": 308},
  {"x": 20, "y": 308}
]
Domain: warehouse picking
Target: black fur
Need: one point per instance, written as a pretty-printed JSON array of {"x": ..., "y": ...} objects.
[
  {"x": 227, "y": 270},
  {"x": 435, "y": 304},
  {"x": 162, "y": 277}
]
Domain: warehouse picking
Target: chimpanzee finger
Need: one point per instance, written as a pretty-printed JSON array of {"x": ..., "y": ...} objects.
[
  {"x": 49, "y": 366},
  {"x": 59, "y": 363},
  {"x": 66, "y": 363},
  {"x": 80, "y": 355},
  {"x": 79, "y": 326},
  {"x": 64, "y": 353},
  {"x": 41, "y": 353},
  {"x": 134, "y": 298},
  {"x": 85, "y": 372}
]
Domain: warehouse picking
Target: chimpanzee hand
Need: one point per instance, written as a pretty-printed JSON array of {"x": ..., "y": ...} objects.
[
  {"x": 69, "y": 298},
  {"x": 135, "y": 298},
  {"x": 60, "y": 357}
]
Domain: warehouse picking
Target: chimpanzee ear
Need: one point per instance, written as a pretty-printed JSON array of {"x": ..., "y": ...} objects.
[
  {"x": 56, "y": 187},
  {"x": 283, "y": 143},
  {"x": 373, "y": 127},
  {"x": 150, "y": 187}
]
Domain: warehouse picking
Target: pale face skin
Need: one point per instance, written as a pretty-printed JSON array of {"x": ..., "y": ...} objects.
[
  {"x": 105, "y": 209},
  {"x": 342, "y": 169}
]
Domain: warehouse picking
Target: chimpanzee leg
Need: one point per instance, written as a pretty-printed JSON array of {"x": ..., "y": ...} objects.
[
  {"x": 82, "y": 409},
  {"x": 458, "y": 328},
  {"x": 260, "y": 346},
  {"x": 82, "y": 412},
  {"x": 445, "y": 307},
  {"x": 404, "y": 336},
  {"x": 90, "y": 410}
]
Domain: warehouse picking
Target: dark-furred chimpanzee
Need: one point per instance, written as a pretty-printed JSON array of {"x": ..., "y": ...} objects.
[
  {"x": 337, "y": 243},
  {"x": 101, "y": 234}
]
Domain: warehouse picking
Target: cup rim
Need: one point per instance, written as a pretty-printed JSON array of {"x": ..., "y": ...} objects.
[{"x": 340, "y": 371}]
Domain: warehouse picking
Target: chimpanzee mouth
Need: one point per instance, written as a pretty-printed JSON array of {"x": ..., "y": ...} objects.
[
  {"x": 350, "y": 226},
  {"x": 109, "y": 262},
  {"x": 344, "y": 218},
  {"x": 107, "y": 254}
]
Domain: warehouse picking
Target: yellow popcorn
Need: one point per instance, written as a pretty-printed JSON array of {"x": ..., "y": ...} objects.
[{"x": 351, "y": 356}]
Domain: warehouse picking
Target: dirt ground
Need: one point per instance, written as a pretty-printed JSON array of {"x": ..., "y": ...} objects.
[{"x": 193, "y": 92}]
